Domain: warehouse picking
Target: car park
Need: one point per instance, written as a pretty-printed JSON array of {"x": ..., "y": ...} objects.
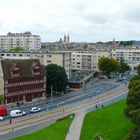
[
  {"x": 1, "y": 118},
  {"x": 35, "y": 109},
  {"x": 17, "y": 113}
]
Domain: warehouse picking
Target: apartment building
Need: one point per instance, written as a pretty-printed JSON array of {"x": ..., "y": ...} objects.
[
  {"x": 25, "y": 40},
  {"x": 62, "y": 59},
  {"x": 87, "y": 60},
  {"x": 130, "y": 56}
]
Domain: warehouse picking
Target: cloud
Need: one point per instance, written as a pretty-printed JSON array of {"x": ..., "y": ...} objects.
[{"x": 84, "y": 20}]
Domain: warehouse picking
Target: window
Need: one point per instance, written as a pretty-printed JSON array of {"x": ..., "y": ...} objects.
[
  {"x": 14, "y": 54},
  {"x": 49, "y": 55},
  {"x": 49, "y": 61},
  {"x": 37, "y": 67},
  {"x": 7, "y": 54},
  {"x": 20, "y": 54},
  {"x": 78, "y": 62}
]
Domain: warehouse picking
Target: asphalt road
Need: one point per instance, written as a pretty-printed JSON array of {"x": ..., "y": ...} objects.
[
  {"x": 92, "y": 89},
  {"x": 36, "y": 127}
]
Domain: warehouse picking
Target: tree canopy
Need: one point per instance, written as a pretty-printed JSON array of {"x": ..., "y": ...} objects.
[
  {"x": 17, "y": 49},
  {"x": 57, "y": 77},
  {"x": 138, "y": 69},
  {"x": 125, "y": 43},
  {"x": 108, "y": 65},
  {"x": 133, "y": 106},
  {"x": 123, "y": 67}
]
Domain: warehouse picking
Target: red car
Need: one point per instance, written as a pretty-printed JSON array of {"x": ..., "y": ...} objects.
[{"x": 3, "y": 110}]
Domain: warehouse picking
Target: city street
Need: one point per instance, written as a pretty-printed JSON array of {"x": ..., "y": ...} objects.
[
  {"x": 36, "y": 119},
  {"x": 93, "y": 88},
  {"x": 85, "y": 100}
]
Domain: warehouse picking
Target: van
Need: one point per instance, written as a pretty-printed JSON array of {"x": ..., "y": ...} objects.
[{"x": 17, "y": 113}]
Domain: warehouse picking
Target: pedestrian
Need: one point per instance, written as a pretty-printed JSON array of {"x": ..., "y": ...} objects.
[
  {"x": 10, "y": 120},
  {"x": 96, "y": 106},
  {"x": 102, "y": 105}
]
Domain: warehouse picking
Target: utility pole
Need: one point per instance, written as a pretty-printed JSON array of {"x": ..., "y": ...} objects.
[
  {"x": 51, "y": 93},
  {"x": 97, "y": 97}
]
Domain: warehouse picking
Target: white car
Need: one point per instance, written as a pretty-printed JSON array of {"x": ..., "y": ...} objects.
[
  {"x": 35, "y": 109},
  {"x": 1, "y": 118},
  {"x": 17, "y": 113}
]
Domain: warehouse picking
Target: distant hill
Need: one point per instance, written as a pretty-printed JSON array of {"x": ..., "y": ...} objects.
[{"x": 136, "y": 43}]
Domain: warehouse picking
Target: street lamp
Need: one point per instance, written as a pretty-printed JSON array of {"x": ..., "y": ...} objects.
[
  {"x": 97, "y": 97},
  {"x": 51, "y": 94}
]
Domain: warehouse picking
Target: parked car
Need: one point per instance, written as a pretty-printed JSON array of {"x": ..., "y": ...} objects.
[
  {"x": 1, "y": 118},
  {"x": 3, "y": 110},
  {"x": 102, "y": 77},
  {"x": 35, "y": 109},
  {"x": 17, "y": 113},
  {"x": 120, "y": 79}
]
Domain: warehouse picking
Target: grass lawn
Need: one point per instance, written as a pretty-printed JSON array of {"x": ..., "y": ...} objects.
[
  {"x": 56, "y": 131},
  {"x": 109, "y": 122}
]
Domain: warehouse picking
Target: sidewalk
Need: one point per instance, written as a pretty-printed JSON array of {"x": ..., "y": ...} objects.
[{"x": 75, "y": 128}]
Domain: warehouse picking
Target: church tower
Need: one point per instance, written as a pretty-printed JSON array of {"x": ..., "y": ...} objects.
[
  {"x": 68, "y": 39},
  {"x": 114, "y": 44},
  {"x": 65, "y": 39}
]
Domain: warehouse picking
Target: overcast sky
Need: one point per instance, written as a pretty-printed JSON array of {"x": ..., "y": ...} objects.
[{"x": 84, "y": 20}]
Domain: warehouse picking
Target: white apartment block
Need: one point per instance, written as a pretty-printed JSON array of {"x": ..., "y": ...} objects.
[
  {"x": 62, "y": 59},
  {"x": 25, "y": 40},
  {"x": 129, "y": 56},
  {"x": 87, "y": 60}
]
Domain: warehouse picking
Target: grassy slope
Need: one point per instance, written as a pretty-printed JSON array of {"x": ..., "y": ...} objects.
[
  {"x": 56, "y": 131},
  {"x": 109, "y": 122}
]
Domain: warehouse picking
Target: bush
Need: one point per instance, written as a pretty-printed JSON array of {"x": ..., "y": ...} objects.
[{"x": 65, "y": 117}]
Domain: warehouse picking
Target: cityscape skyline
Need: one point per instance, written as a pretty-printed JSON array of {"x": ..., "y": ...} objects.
[{"x": 83, "y": 20}]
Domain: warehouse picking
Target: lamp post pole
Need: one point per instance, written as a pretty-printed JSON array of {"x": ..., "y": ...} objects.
[
  {"x": 51, "y": 94},
  {"x": 97, "y": 97}
]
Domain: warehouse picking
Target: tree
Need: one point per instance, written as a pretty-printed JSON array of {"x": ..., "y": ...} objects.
[
  {"x": 123, "y": 67},
  {"x": 56, "y": 77},
  {"x": 108, "y": 65},
  {"x": 138, "y": 70},
  {"x": 133, "y": 107},
  {"x": 17, "y": 49}
]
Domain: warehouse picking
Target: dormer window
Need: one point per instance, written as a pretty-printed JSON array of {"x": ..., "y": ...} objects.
[
  {"x": 15, "y": 72},
  {"x": 16, "y": 68},
  {"x": 36, "y": 67},
  {"x": 36, "y": 70}
]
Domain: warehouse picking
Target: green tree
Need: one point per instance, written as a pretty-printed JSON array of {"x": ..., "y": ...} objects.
[
  {"x": 57, "y": 77},
  {"x": 133, "y": 107},
  {"x": 17, "y": 49},
  {"x": 123, "y": 67},
  {"x": 138, "y": 69},
  {"x": 108, "y": 65}
]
